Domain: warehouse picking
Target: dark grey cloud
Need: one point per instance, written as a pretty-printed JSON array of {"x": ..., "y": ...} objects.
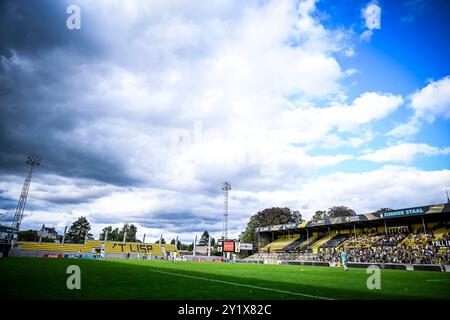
[
  {"x": 34, "y": 27},
  {"x": 39, "y": 59}
]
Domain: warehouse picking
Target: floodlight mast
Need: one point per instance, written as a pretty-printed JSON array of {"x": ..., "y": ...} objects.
[
  {"x": 226, "y": 186},
  {"x": 32, "y": 161}
]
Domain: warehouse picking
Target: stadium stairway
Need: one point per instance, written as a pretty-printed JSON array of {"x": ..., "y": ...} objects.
[
  {"x": 307, "y": 242},
  {"x": 294, "y": 244},
  {"x": 336, "y": 241},
  {"x": 320, "y": 242},
  {"x": 280, "y": 243}
]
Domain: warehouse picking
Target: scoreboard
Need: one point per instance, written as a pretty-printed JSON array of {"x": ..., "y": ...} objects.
[
  {"x": 233, "y": 246},
  {"x": 228, "y": 246}
]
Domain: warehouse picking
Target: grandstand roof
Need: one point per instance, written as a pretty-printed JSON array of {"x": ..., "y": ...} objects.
[{"x": 361, "y": 218}]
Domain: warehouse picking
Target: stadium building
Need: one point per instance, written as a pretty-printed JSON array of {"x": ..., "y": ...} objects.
[
  {"x": 394, "y": 238},
  {"x": 95, "y": 249}
]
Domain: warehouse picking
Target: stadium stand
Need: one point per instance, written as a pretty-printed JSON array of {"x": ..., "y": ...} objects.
[
  {"x": 293, "y": 245},
  {"x": 415, "y": 236},
  {"x": 320, "y": 242},
  {"x": 281, "y": 243},
  {"x": 305, "y": 244},
  {"x": 110, "y": 247},
  {"x": 336, "y": 241}
]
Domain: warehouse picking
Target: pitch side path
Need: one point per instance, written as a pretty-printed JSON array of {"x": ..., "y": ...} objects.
[{"x": 29, "y": 278}]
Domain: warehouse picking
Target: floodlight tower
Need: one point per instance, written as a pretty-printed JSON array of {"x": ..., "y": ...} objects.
[
  {"x": 32, "y": 161},
  {"x": 226, "y": 186}
]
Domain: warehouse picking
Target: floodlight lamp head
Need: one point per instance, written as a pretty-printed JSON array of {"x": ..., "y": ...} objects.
[
  {"x": 34, "y": 160},
  {"x": 226, "y": 186}
]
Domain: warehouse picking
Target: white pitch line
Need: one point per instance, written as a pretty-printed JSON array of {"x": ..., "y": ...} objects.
[{"x": 244, "y": 285}]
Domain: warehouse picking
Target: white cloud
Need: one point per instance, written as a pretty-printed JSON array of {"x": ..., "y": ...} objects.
[
  {"x": 389, "y": 186},
  {"x": 366, "y": 35},
  {"x": 428, "y": 103},
  {"x": 404, "y": 153},
  {"x": 185, "y": 214},
  {"x": 407, "y": 129},
  {"x": 433, "y": 100}
]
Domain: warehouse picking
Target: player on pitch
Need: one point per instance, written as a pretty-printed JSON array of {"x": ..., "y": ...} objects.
[{"x": 344, "y": 260}]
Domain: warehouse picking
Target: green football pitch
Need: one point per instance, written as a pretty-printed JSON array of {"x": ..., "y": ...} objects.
[{"x": 29, "y": 278}]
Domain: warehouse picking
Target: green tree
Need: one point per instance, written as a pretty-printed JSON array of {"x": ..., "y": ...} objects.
[
  {"x": 162, "y": 241},
  {"x": 269, "y": 217},
  {"x": 77, "y": 231},
  {"x": 205, "y": 238},
  {"x": 47, "y": 239},
  {"x": 319, "y": 215},
  {"x": 112, "y": 234},
  {"x": 296, "y": 216},
  {"x": 131, "y": 233},
  {"x": 28, "y": 235},
  {"x": 178, "y": 244},
  {"x": 383, "y": 210},
  {"x": 340, "y": 211}
]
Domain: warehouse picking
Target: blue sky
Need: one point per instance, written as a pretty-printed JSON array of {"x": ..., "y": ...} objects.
[{"x": 145, "y": 110}]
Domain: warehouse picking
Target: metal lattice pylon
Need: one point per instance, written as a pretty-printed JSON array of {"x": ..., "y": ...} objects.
[
  {"x": 32, "y": 161},
  {"x": 226, "y": 186}
]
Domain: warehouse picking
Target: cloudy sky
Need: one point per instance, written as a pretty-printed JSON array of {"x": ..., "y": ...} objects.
[{"x": 145, "y": 110}]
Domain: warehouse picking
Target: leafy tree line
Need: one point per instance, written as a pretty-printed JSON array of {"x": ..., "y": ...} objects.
[
  {"x": 340, "y": 211},
  {"x": 117, "y": 234},
  {"x": 269, "y": 217},
  {"x": 333, "y": 212},
  {"x": 31, "y": 235}
]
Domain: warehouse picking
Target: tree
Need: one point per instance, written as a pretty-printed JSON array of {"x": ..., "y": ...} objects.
[
  {"x": 340, "y": 211},
  {"x": 383, "y": 210},
  {"x": 319, "y": 215},
  {"x": 131, "y": 231},
  {"x": 268, "y": 217},
  {"x": 296, "y": 216},
  {"x": 47, "y": 239},
  {"x": 28, "y": 235},
  {"x": 112, "y": 233},
  {"x": 117, "y": 234},
  {"x": 77, "y": 231},
  {"x": 179, "y": 245},
  {"x": 162, "y": 241},
  {"x": 204, "y": 239},
  {"x": 183, "y": 246}
]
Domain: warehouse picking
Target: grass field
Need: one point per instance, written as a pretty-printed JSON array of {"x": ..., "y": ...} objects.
[{"x": 28, "y": 278}]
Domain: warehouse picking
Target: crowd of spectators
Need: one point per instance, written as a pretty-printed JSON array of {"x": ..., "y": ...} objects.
[{"x": 398, "y": 248}]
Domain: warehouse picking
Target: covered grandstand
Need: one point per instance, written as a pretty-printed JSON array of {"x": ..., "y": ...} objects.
[
  {"x": 95, "y": 248},
  {"x": 417, "y": 235}
]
